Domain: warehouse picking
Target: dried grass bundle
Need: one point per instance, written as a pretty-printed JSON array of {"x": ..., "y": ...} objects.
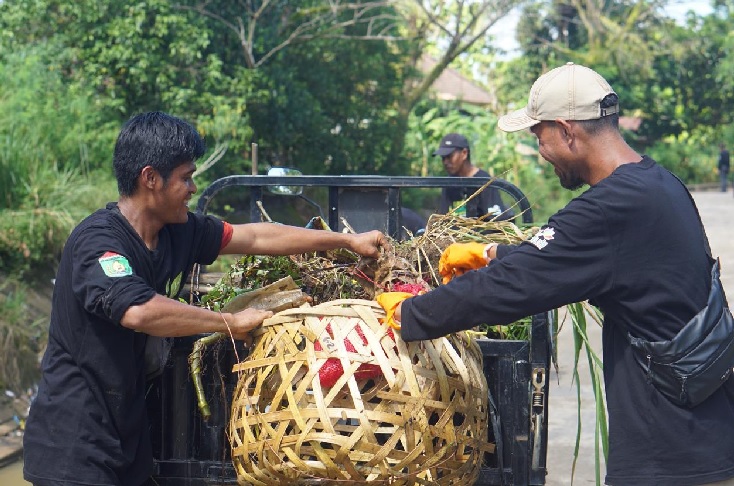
[{"x": 424, "y": 252}]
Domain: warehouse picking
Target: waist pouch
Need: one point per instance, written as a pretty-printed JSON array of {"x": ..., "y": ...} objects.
[{"x": 699, "y": 359}]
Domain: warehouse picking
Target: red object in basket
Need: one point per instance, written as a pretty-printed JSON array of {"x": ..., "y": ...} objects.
[
  {"x": 332, "y": 370},
  {"x": 411, "y": 288}
]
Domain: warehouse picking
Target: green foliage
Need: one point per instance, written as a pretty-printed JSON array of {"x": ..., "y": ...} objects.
[
  {"x": 48, "y": 145},
  {"x": 140, "y": 56},
  {"x": 686, "y": 92},
  {"x": 329, "y": 108},
  {"x": 690, "y": 158},
  {"x": 64, "y": 127},
  {"x": 673, "y": 77},
  {"x": 33, "y": 233},
  {"x": 580, "y": 314},
  {"x": 130, "y": 58},
  {"x": 517, "y": 331},
  {"x": 248, "y": 273}
]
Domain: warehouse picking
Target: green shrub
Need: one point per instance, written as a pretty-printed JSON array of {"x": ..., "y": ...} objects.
[
  {"x": 687, "y": 158},
  {"x": 47, "y": 146}
]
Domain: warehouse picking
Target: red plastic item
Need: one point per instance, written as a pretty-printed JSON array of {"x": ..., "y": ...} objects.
[{"x": 332, "y": 370}]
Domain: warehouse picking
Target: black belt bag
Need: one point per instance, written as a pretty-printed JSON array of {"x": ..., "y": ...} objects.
[{"x": 699, "y": 359}]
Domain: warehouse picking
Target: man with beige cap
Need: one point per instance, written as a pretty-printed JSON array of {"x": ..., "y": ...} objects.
[{"x": 633, "y": 245}]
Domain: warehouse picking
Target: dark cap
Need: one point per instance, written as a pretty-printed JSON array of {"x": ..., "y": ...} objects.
[{"x": 451, "y": 142}]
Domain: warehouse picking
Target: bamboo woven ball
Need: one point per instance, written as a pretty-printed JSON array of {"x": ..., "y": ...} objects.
[{"x": 329, "y": 395}]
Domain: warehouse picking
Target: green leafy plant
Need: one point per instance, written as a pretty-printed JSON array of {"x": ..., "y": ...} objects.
[
  {"x": 248, "y": 273},
  {"x": 580, "y": 314},
  {"x": 47, "y": 145}
]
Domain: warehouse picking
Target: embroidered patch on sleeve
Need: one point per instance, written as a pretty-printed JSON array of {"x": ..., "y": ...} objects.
[
  {"x": 541, "y": 239},
  {"x": 115, "y": 265}
]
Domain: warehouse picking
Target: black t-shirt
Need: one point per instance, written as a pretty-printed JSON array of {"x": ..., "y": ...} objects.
[
  {"x": 487, "y": 202},
  {"x": 633, "y": 245},
  {"x": 88, "y": 424}
]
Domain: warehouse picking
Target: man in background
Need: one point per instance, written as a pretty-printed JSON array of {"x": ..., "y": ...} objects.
[
  {"x": 723, "y": 166},
  {"x": 456, "y": 157}
]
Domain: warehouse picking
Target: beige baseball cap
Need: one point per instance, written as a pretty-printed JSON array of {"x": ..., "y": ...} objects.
[{"x": 569, "y": 92}]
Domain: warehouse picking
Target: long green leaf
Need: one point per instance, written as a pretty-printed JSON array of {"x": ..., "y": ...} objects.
[{"x": 578, "y": 313}]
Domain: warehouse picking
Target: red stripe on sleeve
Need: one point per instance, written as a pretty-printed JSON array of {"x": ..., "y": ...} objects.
[{"x": 226, "y": 235}]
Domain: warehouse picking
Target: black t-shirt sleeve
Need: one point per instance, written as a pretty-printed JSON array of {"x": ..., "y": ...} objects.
[
  {"x": 103, "y": 277},
  {"x": 568, "y": 260},
  {"x": 504, "y": 250}
]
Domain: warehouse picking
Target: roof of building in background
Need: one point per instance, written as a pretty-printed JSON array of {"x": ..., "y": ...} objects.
[{"x": 451, "y": 85}]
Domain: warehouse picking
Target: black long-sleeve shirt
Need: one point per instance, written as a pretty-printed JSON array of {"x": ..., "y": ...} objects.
[{"x": 632, "y": 245}]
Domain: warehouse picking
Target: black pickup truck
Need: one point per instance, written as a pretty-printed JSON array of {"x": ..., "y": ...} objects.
[{"x": 190, "y": 451}]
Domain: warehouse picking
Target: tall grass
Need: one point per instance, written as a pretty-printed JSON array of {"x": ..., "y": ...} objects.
[
  {"x": 52, "y": 148},
  {"x": 581, "y": 313},
  {"x": 19, "y": 344},
  {"x": 52, "y": 137}
]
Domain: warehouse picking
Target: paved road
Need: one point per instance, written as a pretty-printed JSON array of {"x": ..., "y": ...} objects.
[{"x": 717, "y": 213}]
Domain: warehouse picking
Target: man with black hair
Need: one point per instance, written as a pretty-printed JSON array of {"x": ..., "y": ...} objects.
[
  {"x": 456, "y": 158},
  {"x": 633, "y": 245},
  {"x": 117, "y": 285}
]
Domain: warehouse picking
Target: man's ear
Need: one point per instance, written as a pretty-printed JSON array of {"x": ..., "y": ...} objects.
[
  {"x": 148, "y": 177},
  {"x": 567, "y": 130}
]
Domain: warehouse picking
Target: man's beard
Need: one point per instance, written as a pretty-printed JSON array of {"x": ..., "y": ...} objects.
[{"x": 571, "y": 181}]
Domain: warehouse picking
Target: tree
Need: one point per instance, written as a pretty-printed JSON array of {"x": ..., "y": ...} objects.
[
  {"x": 322, "y": 77},
  {"x": 329, "y": 108},
  {"x": 135, "y": 57},
  {"x": 445, "y": 30},
  {"x": 665, "y": 73},
  {"x": 294, "y": 24},
  {"x": 308, "y": 108}
]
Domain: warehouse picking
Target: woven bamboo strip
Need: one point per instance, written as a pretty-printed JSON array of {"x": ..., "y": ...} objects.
[{"x": 391, "y": 412}]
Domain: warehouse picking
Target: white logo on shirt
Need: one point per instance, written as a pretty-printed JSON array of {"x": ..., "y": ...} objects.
[{"x": 541, "y": 239}]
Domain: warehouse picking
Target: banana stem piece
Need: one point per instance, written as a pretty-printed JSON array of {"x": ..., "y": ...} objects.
[
  {"x": 195, "y": 370},
  {"x": 280, "y": 295}
]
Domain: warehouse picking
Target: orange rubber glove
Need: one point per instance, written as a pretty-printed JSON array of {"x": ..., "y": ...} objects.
[
  {"x": 389, "y": 301},
  {"x": 458, "y": 258}
]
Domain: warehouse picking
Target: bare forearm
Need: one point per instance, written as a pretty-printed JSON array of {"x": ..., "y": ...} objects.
[
  {"x": 165, "y": 317},
  {"x": 287, "y": 240},
  {"x": 274, "y": 239}
]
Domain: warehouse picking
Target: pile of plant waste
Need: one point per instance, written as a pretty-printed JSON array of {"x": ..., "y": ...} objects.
[
  {"x": 410, "y": 265},
  {"x": 278, "y": 282}
]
